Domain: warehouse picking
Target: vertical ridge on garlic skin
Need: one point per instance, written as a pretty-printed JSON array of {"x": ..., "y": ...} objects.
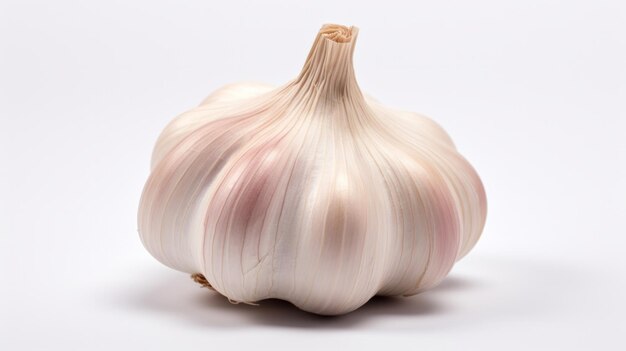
[
  {"x": 220, "y": 253},
  {"x": 438, "y": 168},
  {"x": 343, "y": 244},
  {"x": 181, "y": 177},
  {"x": 171, "y": 190},
  {"x": 235, "y": 194},
  {"x": 459, "y": 177},
  {"x": 433, "y": 142},
  {"x": 341, "y": 237}
]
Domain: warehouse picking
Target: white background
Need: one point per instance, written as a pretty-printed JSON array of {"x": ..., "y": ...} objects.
[{"x": 532, "y": 92}]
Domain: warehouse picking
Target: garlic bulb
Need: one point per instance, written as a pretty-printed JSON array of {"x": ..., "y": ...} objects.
[{"x": 310, "y": 192}]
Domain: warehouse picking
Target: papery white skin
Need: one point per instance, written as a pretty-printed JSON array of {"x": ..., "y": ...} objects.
[{"x": 310, "y": 192}]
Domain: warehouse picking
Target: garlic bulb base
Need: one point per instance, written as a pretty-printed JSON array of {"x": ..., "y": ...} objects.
[{"x": 200, "y": 279}]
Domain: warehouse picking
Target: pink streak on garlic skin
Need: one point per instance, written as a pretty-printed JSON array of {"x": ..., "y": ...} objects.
[{"x": 235, "y": 220}]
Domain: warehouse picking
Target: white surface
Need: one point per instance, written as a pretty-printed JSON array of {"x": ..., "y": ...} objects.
[{"x": 533, "y": 93}]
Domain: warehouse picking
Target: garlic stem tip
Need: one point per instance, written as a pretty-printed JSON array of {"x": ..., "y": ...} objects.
[{"x": 338, "y": 33}]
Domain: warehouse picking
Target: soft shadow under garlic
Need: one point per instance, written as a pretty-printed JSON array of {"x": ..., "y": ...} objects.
[
  {"x": 175, "y": 296},
  {"x": 491, "y": 290}
]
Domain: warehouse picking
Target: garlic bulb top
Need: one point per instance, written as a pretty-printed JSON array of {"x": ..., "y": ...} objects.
[{"x": 310, "y": 192}]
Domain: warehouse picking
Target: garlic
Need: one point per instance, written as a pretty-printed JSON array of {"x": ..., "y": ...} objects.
[{"x": 310, "y": 192}]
